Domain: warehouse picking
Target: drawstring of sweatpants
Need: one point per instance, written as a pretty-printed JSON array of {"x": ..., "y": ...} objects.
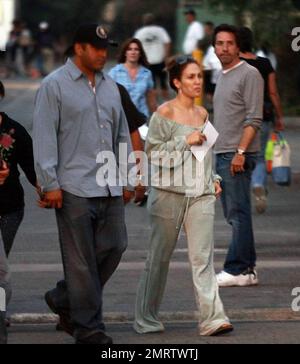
[{"x": 184, "y": 209}]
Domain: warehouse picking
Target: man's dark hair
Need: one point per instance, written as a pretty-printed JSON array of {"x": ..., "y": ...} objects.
[
  {"x": 246, "y": 39},
  {"x": 229, "y": 29},
  {"x": 148, "y": 19},
  {"x": 209, "y": 24},
  {"x": 190, "y": 12},
  {"x": 266, "y": 48},
  {"x": 2, "y": 89}
]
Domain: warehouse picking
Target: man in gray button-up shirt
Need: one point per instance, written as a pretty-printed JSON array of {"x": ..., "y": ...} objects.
[
  {"x": 78, "y": 115},
  {"x": 72, "y": 125}
]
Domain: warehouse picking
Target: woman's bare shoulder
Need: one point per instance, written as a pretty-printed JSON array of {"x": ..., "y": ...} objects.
[
  {"x": 166, "y": 110},
  {"x": 203, "y": 113}
]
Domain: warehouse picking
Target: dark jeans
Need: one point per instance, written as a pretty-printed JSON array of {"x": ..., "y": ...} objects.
[
  {"x": 5, "y": 292},
  {"x": 93, "y": 237},
  {"x": 158, "y": 72},
  {"x": 236, "y": 201},
  {"x": 9, "y": 225},
  {"x": 3, "y": 330}
]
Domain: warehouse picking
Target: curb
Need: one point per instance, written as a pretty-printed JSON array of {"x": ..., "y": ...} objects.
[{"x": 246, "y": 315}]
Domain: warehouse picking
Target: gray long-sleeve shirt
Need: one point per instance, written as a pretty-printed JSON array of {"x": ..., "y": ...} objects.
[
  {"x": 74, "y": 129},
  {"x": 238, "y": 103}
]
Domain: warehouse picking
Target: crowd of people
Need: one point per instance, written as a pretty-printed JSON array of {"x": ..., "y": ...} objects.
[
  {"x": 82, "y": 115},
  {"x": 31, "y": 53}
]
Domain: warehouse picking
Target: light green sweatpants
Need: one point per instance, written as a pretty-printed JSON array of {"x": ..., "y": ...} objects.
[{"x": 168, "y": 211}]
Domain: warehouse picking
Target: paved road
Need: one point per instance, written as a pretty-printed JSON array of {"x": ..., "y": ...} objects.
[
  {"x": 180, "y": 333},
  {"x": 36, "y": 265}
]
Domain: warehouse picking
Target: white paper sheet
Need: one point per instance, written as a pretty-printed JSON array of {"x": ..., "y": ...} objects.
[
  {"x": 212, "y": 135},
  {"x": 143, "y": 131}
]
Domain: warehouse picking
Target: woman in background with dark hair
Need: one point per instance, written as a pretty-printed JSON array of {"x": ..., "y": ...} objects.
[
  {"x": 132, "y": 72},
  {"x": 188, "y": 200}
]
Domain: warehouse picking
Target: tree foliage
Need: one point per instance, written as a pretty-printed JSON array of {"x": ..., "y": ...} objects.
[
  {"x": 63, "y": 15},
  {"x": 130, "y": 15},
  {"x": 271, "y": 19}
]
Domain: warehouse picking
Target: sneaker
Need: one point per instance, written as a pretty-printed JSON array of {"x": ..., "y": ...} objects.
[
  {"x": 248, "y": 278},
  {"x": 260, "y": 199},
  {"x": 221, "y": 330}
]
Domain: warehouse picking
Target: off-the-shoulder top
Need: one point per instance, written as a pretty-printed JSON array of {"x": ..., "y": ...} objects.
[{"x": 173, "y": 165}]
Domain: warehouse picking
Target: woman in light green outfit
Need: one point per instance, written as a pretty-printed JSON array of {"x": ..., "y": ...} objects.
[{"x": 183, "y": 192}]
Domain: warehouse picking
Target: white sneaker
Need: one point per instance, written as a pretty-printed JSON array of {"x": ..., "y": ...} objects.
[{"x": 249, "y": 278}]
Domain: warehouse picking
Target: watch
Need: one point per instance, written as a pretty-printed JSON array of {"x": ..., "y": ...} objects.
[{"x": 240, "y": 151}]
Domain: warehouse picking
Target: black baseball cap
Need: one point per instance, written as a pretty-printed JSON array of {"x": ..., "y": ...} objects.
[
  {"x": 190, "y": 12},
  {"x": 94, "y": 34}
]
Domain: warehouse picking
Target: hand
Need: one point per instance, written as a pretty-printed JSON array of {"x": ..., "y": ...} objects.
[
  {"x": 139, "y": 193},
  {"x": 279, "y": 124},
  {"x": 196, "y": 138},
  {"x": 127, "y": 196},
  {"x": 39, "y": 191},
  {"x": 237, "y": 164},
  {"x": 4, "y": 173},
  {"x": 52, "y": 200},
  {"x": 218, "y": 189}
]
